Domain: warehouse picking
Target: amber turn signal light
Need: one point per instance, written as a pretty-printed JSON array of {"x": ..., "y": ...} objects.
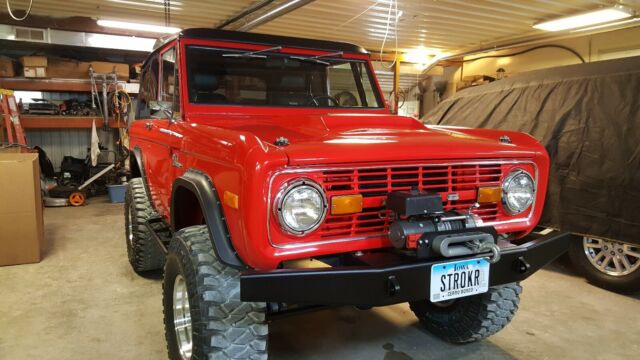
[
  {"x": 489, "y": 195},
  {"x": 231, "y": 199},
  {"x": 346, "y": 204}
]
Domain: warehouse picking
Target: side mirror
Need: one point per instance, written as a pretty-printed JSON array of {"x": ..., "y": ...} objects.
[{"x": 161, "y": 109}]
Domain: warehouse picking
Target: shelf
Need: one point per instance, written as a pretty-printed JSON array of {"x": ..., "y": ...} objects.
[
  {"x": 64, "y": 122},
  {"x": 62, "y": 85}
]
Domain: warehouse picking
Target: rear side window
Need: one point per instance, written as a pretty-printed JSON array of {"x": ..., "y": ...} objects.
[
  {"x": 148, "y": 88},
  {"x": 170, "y": 85}
]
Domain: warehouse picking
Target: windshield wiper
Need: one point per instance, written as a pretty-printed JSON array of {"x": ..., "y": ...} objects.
[
  {"x": 253, "y": 54},
  {"x": 316, "y": 59}
]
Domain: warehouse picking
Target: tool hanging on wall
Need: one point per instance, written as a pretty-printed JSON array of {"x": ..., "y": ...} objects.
[{"x": 108, "y": 80}]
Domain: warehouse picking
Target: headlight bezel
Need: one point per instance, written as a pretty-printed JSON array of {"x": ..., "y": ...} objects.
[
  {"x": 285, "y": 190},
  {"x": 513, "y": 174}
]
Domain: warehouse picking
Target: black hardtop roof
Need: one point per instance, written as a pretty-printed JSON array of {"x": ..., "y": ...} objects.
[{"x": 264, "y": 39}]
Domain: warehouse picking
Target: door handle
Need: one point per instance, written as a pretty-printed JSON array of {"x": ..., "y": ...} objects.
[
  {"x": 174, "y": 161},
  {"x": 148, "y": 125}
]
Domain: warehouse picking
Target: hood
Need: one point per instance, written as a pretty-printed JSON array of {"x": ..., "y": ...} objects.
[{"x": 363, "y": 138}]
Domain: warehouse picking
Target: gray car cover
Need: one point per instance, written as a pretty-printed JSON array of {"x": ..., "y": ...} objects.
[{"x": 588, "y": 117}]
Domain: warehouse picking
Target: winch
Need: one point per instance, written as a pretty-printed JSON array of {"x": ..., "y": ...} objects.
[{"x": 421, "y": 224}]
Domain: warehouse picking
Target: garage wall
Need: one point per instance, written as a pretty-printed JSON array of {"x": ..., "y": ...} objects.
[
  {"x": 610, "y": 45},
  {"x": 73, "y": 142}
]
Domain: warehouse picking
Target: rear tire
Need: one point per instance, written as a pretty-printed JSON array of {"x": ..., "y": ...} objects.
[
  {"x": 219, "y": 324},
  {"x": 143, "y": 252},
  {"x": 606, "y": 276},
  {"x": 472, "y": 318}
]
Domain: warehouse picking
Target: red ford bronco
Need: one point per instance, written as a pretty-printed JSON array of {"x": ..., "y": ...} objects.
[{"x": 253, "y": 152}]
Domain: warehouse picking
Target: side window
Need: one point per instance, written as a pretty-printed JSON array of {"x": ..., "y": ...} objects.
[
  {"x": 342, "y": 86},
  {"x": 170, "y": 93},
  {"x": 148, "y": 89},
  {"x": 367, "y": 84}
]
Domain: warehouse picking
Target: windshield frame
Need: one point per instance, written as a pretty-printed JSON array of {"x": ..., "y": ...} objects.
[{"x": 231, "y": 46}]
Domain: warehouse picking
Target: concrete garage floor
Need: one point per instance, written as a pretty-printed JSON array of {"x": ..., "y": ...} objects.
[{"x": 83, "y": 301}]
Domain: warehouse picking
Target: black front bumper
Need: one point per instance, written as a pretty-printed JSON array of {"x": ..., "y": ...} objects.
[{"x": 388, "y": 278}]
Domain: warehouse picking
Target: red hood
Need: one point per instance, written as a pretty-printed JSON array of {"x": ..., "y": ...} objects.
[{"x": 355, "y": 138}]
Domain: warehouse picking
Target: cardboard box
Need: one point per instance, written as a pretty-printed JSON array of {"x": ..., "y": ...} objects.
[
  {"x": 67, "y": 69},
  {"x": 7, "y": 66},
  {"x": 101, "y": 67},
  {"x": 34, "y": 61},
  {"x": 35, "y": 72},
  {"x": 21, "y": 222}
]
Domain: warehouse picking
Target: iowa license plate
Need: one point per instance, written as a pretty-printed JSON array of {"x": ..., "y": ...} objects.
[{"x": 459, "y": 279}]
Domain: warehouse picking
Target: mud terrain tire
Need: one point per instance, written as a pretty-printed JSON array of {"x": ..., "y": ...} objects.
[
  {"x": 472, "y": 318},
  {"x": 221, "y": 326},
  {"x": 142, "y": 250}
]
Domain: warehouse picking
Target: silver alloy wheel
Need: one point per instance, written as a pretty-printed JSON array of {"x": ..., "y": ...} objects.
[
  {"x": 612, "y": 257},
  {"x": 182, "y": 318}
]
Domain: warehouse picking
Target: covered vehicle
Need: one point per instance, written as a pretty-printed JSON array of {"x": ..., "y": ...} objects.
[{"x": 588, "y": 118}]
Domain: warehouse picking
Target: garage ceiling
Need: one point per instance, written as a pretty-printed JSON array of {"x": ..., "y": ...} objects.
[{"x": 437, "y": 25}]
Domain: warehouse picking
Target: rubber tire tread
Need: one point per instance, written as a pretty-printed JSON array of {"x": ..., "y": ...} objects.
[
  {"x": 223, "y": 326},
  {"x": 143, "y": 252},
  {"x": 627, "y": 284},
  {"x": 472, "y": 318}
]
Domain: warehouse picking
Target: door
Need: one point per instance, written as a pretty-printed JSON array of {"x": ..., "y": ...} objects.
[{"x": 158, "y": 129}]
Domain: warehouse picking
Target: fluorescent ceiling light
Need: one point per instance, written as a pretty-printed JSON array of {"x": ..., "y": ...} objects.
[
  {"x": 420, "y": 55},
  {"x": 608, "y": 25},
  {"x": 585, "y": 19},
  {"x": 138, "y": 27}
]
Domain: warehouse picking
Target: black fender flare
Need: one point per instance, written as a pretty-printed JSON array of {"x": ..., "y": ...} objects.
[
  {"x": 201, "y": 185},
  {"x": 136, "y": 154}
]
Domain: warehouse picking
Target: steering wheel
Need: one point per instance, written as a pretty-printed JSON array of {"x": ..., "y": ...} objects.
[{"x": 315, "y": 99}]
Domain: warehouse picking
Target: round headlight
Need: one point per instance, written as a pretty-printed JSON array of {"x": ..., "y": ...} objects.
[
  {"x": 301, "y": 207},
  {"x": 518, "y": 192}
]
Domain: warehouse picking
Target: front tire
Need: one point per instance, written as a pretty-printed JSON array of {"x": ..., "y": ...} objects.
[
  {"x": 472, "y": 318},
  {"x": 144, "y": 254},
  {"x": 611, "y": 265},
  {"x": 203, "y": 315}
]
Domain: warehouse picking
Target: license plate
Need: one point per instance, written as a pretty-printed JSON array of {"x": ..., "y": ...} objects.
[{"x": 459, "y": 279}]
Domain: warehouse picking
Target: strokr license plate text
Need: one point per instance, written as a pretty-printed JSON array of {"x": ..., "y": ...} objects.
[{"x": 459, "y": 279}]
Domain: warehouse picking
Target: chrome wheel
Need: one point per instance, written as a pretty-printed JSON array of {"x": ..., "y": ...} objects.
[
  {"x": 612, "y": 257},
  {"x": 182, "y": 318}
]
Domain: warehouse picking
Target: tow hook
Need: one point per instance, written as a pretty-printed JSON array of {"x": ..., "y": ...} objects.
[
  {"x": 479, "y": 247},
  {"x": 495, "y": 252}
]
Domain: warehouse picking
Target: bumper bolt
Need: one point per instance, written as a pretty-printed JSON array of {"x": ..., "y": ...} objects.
[
  {"x": 521, "y": 265},
  {"x": 393, "y": 286}
]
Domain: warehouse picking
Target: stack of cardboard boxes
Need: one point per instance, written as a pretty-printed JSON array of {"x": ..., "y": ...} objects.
[
  {"x": 59, "y": 68},
  {"x": 21, "y": 222}
]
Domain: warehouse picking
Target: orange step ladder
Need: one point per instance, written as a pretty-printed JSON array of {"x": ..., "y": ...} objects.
[{"x": 11, "y": 115}]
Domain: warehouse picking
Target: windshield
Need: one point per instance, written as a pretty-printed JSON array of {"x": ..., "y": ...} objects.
[{"x": 270, "y": 78}]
